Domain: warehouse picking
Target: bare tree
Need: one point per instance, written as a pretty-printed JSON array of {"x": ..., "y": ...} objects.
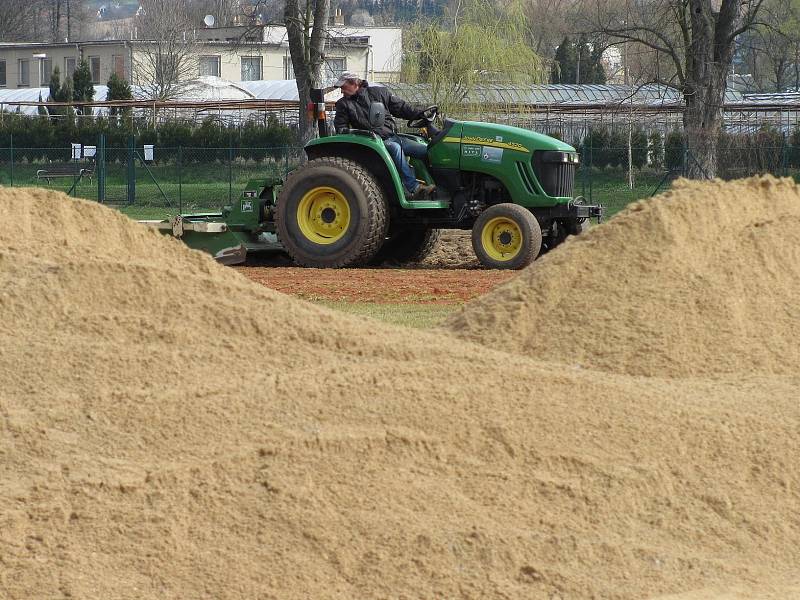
[
  {"x": 15, "y": 15},
  {"x": 771, "y": 48},
  {"x": 306, "y": 28},
  {"x": 696, "y": 38},
  {"x": 166, "y": 58},
  {"x": 548, "y": 22}
]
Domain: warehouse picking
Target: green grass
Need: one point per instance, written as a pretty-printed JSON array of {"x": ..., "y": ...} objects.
[
  {"x": 419, "y": 316},
  {"x": 609, "y": 187},
  {"x": 211, "y": 184},
  {"x": 163, "y": 190}
]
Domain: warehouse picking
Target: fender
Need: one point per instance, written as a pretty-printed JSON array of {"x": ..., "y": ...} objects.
[{"x": 369, "y": 143}]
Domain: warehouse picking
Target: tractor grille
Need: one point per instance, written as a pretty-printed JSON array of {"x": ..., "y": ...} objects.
[{"x": 555, "y": 172}]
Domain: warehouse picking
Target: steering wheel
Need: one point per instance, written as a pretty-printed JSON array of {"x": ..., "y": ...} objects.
[{"x": 428, "y": 115}]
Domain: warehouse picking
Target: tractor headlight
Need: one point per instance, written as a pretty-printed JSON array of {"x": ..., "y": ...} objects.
[{"x": 556, "y": 156}]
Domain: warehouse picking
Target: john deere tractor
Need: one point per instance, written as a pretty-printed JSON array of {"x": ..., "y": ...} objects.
[
  {"x": 346, "y": 206},
  {"x": 512, "y": 187}
]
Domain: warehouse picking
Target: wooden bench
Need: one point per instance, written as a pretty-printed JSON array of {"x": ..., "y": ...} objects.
[{"x": 57, "y": 170}]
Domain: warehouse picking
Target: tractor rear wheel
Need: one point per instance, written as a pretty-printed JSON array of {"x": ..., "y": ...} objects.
[
  {"x": 408, "y": 246},
  {"x": 331, "y": 213},
  {"x": 506, "y": 236}
]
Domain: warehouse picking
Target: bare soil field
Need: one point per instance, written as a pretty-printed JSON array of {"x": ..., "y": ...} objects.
[
  {"x": 450, "y": 275},
  {"x": 423, "y": 286}
]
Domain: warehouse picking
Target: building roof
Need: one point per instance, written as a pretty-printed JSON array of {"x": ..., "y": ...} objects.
[
  {"x": 211, "y": 89},
  {"x": 215, "y": 89},
  {"x": 280, "y": 90},
  {"x": 558, "y": 94}
]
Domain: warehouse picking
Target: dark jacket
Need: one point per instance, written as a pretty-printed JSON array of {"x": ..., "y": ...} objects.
[{"x": 353, "y": 111}]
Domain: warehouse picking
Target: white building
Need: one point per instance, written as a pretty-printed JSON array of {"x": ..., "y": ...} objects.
[{"x": 232, "y": 53}]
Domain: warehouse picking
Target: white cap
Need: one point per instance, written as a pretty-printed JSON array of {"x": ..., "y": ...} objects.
[{"x": 346, "y": 76}]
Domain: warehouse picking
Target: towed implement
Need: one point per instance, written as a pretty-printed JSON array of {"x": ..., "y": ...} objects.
[{"x": 346, "y": 206}]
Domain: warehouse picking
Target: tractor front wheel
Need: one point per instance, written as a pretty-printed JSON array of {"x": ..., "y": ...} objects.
[
  {"x": 331, "y": 213},
  {"x": 506, "y": 236}
]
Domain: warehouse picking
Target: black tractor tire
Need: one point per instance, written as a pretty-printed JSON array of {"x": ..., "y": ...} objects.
[
  {"x": 343, "y": 191},
  {"x": 407, "y": 246},
  {"x": 506, "y": 236}
]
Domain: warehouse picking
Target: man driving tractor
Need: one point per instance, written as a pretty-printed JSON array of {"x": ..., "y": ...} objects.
[{"x": 352, "y": 111}]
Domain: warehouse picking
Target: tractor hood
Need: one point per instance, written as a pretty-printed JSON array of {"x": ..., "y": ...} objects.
[{"x": 510, "y": 137}]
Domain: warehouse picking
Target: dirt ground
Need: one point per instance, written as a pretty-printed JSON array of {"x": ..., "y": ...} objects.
[{"x": 450, "y": 275}]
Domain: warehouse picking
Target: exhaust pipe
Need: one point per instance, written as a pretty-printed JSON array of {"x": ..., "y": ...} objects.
[{"x": 316, "y": 109}]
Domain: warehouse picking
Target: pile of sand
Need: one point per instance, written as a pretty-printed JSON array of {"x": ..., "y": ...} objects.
[
  {"x": 453, "y": 251},
  {"x": 704, "y": 279},
  {"x": 170, "y": 430}
]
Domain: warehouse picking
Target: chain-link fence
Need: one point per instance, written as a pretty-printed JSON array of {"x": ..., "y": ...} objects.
[
  {"x": 158, "y": 182},
  {"x": 147, "y": 182}
]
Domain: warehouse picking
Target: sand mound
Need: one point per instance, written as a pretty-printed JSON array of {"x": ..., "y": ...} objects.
[
  {"x": 703, "y": 279},
  {"x": 454, "y": 251},
  {"x": 170, "y": 430}
]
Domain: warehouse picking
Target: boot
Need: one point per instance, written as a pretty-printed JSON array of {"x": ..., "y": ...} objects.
[{"x": 423, "y": 190}]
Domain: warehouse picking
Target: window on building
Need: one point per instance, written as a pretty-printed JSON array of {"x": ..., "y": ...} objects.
[
  {"x": 119, "y": 66},
  {"x": 209, "y": 65},
  {"x": 94, "y": 68},
  {"x": 24, "y": 72},
  {"x": 333, "y": 68},
  {"x": 251, "y": 68},
  {"x": 2, "y": 73},
  {"x": 69, "y": 67},
  {"x": 45, "y": 71},
  {"x": 288, "y": 69}
]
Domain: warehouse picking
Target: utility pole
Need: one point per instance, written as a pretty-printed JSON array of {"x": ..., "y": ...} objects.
[{"x": 69, "y": 30}]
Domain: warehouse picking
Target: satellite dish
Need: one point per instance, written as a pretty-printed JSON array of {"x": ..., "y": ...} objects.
[{"x": 209, "y": 20}]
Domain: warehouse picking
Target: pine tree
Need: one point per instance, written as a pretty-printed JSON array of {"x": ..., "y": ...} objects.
[
  {"x": 578, "y": 63},
  {"x": 564, "y": 63},
  {"x": 118, "y": 89},
  {"x": 59, "y": 91},
  {"x": 597, "y": 74},
  {"x": 82, "y": 88},
  {"x": 638, "y": 147},
  {"x": 41, "y": 109}
]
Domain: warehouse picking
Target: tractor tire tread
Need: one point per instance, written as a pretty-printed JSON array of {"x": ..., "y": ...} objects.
[{"x": 376, "y": 205}]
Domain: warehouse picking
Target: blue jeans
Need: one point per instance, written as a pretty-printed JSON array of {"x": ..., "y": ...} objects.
[{"x": 397, "y": 148}]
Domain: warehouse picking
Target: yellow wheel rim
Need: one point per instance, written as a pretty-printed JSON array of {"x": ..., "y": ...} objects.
[
  {"x": 323, "y": 215},
  {"x": 501, "y": 238}
]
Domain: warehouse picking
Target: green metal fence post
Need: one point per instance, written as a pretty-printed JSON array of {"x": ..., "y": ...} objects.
[
  {"x": 230, "y": 172},
  {"x": 583, "y": 168},
  {"x": 286, "y": 163},
  {"x": 180, "y": 180},
  {"x": 131, "y": 170},
  {"x": 591, "y": 160},
  {"x": 12, "y": 160},
  {"x": 101, "y": 168},
  {"x": 785, "y": 158}
]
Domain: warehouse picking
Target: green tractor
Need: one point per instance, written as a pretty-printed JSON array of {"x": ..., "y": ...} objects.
[{"x": 346, "y": 206}]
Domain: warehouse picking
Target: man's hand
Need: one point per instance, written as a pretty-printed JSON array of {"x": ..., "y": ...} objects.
[{"x": 428, "y": 113}]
